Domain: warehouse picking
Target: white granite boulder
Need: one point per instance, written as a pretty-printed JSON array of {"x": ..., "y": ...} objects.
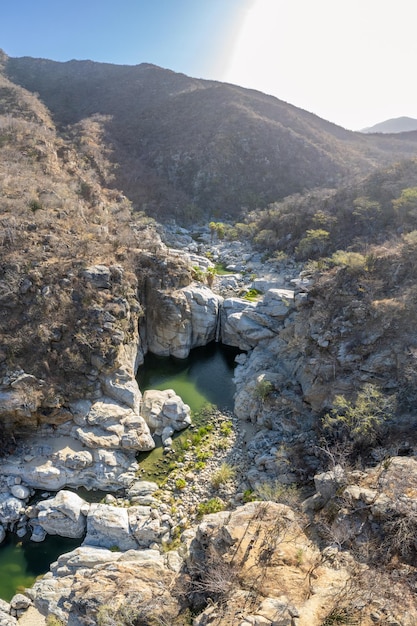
[
  {"x": 181, "y": 320},
  {"x": 11, "y": 509},
  {"x": 63, "y": 515},
  {"x": 108, "y": 527},
  {"x": 162, "y": 409}
]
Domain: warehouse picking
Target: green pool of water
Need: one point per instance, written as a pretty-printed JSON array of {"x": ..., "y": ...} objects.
[
  {"x": 206, "y": 376},
  {"x": 22, "y": 560},
  {"x": 202, "y": 380}
]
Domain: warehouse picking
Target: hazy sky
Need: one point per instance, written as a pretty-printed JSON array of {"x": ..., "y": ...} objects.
[{"x": 349, "y": 61}]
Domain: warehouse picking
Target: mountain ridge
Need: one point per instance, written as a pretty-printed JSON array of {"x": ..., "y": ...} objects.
[
  {"x": 393, "y": 125},
  {"x": 186, "y": 147}
]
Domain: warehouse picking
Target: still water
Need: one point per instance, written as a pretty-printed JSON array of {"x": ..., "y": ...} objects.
[
  {"x": 206, "y": 376},
  {"x": 22, "y": 560}
]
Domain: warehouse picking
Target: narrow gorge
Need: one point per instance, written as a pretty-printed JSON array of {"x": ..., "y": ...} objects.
[{"x": 297, "y": 507}]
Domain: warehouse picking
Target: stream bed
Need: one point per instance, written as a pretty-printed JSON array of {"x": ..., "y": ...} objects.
[{"x": 204, "y": 379}]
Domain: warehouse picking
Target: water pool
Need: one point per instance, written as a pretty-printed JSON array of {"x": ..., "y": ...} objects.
[
  {"x": 22, "y": 560},
  {"x": 206, "y": 376}
]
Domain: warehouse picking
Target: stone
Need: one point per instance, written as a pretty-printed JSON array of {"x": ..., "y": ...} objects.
[
  {"x": 162, "y": 409},
  {"x": 98, "y": 275},
  {"x": 142, "y": 488},
  {"x": 108, "y": 527},
  {"x": 181, "y": 320},
  {"x": 38, "y": 533},
  {"x": 11, "y": 509},
  {"x": 328, "y": 483},
  {"x": 145, "y": 529},
  {"x": 20, "y": 491},
  {"x": 19, "y": 601},
  {"x": 63, "y": 515},
  {"x": 118, "y": 577},
  {"x": 122, "y": 387}
]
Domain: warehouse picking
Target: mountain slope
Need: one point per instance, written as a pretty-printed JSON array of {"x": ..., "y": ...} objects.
[{"x": 186, "y": 147}]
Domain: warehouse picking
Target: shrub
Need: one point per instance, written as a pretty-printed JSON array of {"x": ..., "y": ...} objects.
[
  {"x": 275, "y": 491},
  {"x": 314, "y": 244},
  {"x": 263, "y": 389},
  {"x": 354, "y": 261},
  {"x": 180, "y": 483},
  {"x": 226, "y": 428},
  {"x": 252, "y": 295},
  {"x": 361, "y": 422},
  {"x": 225, "y": 473},
  {"x": 214, "y": 505}
]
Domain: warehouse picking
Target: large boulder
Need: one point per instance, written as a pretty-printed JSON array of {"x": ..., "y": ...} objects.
[
  {"x": 11, "y": 509},
  {"x": 90, "y": 579},
  {"x": 245, "y": 324},
  {"x": 262, "y": 552},
  {"x": 110, "y": 424},
  {"x": 108, "y": 527},
  {"x": 63, "y": 515},
  {"x": 162, "y": 409}
]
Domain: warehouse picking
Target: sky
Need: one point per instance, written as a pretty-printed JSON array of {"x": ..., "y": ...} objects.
[{"x": 348, "y": 61}]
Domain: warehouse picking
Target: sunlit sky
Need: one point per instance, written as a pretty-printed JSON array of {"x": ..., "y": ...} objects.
[{"x": 349, "y": 61}]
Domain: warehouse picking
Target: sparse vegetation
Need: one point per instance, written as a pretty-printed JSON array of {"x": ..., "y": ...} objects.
[
  {"x": 214, "y": 505},
  {"x": 363, "y": 421},
  {"x": 225, "y": 473},
  {"x": 263, "y": 389}
]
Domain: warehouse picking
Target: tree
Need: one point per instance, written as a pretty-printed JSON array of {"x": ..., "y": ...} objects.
[
  {"x": 406, "y": 207},
  {"x": 314, "y": 244},
  {"x": 361, "y": 422}
]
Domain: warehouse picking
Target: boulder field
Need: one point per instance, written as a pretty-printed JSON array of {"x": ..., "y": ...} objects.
[{"x": 252, "y": 564}]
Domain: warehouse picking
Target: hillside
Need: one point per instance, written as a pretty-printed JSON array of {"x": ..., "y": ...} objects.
[
  {"x": 189, "y": 148},
  {"x": 56, "y": 221},
  {"x": 321, "y": 305}
]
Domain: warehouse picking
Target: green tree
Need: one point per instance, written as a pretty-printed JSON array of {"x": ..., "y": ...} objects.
[
  {"x": 367, "y": 214},
  {"x": 314, "y": 244},
  {"x": 406, "y": 207},
  {"x": 361, "y": 422}
]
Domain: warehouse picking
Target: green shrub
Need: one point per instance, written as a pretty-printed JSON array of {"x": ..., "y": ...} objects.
[
  {"x": 263, "y": 389},
  {"x": 360, "y": 422},
  {"x": 249, "y": 495},
  {"x": 225, "y": 473},
  {"x": 252, "y": 295},
  {"x": 314, "y": 244},
  {"x": 180, "y": 483},
  {"x": 35, "y": 205},
  {"x": 214, "y": 505},
  {"x": 226, "y": 428},
  {"x": 354, "y": 261}
]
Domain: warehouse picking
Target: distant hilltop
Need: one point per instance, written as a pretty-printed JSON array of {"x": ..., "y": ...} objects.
[{"x": 395, "y": 125}]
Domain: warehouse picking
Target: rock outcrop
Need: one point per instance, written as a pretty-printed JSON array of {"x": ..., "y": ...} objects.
[
  {"x": 181, "y": 320},
  {"x": 63, "y": 515},
  {"x": 92, "y": 580},
  {"x": 165, "y": 412}
]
